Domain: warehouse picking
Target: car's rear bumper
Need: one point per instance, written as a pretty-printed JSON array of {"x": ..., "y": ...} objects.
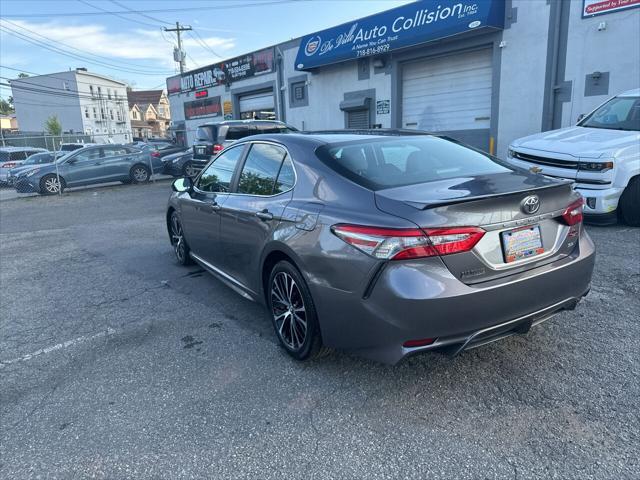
[{"x": 413, "y": 300}]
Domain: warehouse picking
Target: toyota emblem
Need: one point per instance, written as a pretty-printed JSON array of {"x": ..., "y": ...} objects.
[{"x": 530, "y": 204}]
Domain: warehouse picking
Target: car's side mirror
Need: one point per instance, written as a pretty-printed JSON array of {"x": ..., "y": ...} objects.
[
  {"x": 71, "y": 161},
  {"x": 580, "y": 117},
  {"x": 180, "y": 185}
]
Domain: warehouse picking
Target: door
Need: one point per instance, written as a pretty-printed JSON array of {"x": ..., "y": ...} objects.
[
  {"x": 257, "y": 106},
  {"x": 450, "y": 95},
  {"x": 200, "y": 210},
  {"x": 358, "y": 119},
  {"x": 83, "y": 168},
  {"x": 250, "y": 214},
  {"x": 116, "y": 162}
]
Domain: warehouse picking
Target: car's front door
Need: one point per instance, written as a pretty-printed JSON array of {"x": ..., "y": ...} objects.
[
  {"x": 200, "y": 209},
  {"x": 252, "y": 211},
  {"x": 82, "y": 168}
]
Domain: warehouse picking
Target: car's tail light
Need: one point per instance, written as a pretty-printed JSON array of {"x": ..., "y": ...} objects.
[
  {"x": 404, "y": 243},
  {"x": 418, "y": 343},
  {"x": 155, "y": 154},
  {"x": 8, "y": 165},
  {"x": 217, "y": 148},
  {"x": 573, "y": 213}
]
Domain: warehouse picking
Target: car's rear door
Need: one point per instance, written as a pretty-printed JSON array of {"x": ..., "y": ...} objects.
[
  {"x": 252, "y": 211},
  {"x": 200, "y": 209},
  {"x": 115, "y": 162}
]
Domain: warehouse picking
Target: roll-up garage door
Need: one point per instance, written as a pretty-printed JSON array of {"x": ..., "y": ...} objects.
[
  {"x": 451, "y": 95},
  {"x": 257, "y": 102}
]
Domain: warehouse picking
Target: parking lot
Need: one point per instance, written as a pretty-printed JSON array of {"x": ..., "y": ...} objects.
[{"x": 118, "y": 363}]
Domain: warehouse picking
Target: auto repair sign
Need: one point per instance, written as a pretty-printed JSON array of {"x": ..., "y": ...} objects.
[
  {"x": 405, "y": 26},
  {"x": 599, "y": 7}
]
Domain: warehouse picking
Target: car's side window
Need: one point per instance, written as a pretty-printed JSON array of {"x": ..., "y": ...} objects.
[
  {"x": 217, "y": 177},
  {"x": 18, "y": 155},
  {"x": 286, "y": 177},
  {"x": 114, "y": 151},
  {"x": 261, "y": 169},
  {"x": 87, "y": 156}
]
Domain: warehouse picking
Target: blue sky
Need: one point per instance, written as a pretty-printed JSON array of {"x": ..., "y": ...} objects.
[{"x": 132, "y": 47}]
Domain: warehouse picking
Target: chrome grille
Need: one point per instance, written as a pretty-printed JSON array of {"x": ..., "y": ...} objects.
[{"x": 551, "y": 162}]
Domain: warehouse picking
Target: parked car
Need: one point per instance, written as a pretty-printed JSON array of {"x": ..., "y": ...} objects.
[
  {"x": 211, "y": 138},
  {"x": 182, "y": 164},
  {"x": 12, "y": 157},
  {"x": 384, "y": 245},
  {"x": 601, "y": 154},
  {"x": 156, "y": 151},
  {"x": 86, "y": 166},
  {"x": 41, "y": 158}
]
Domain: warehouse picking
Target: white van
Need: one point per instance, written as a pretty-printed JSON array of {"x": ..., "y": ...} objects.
[{"x": 601, "y": 154}]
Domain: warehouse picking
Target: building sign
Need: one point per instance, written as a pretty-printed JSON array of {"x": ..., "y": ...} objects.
[
  {"x": 598, "y": 7},
  {"x": 202, "y": 93},
  {"x": 382, "y": 107},
  {"x": 227, "y": 109},
  {"x": 235, "y": 69},
  {"x": 401, "y": 27},
  {"x": 208, "y": 107}
]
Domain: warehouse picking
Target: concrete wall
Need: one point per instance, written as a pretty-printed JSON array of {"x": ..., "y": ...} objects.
[
  {"x": 614, "y": 50},
  {"x": 523, "y": 64}
]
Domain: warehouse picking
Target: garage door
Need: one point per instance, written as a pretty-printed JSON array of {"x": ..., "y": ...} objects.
[
  {"x": 451, "y": 95},
  {"x": 258, "y": 105}
]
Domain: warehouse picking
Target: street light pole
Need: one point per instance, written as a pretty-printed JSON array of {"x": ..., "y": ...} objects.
[{"x": 178, "y": 30}]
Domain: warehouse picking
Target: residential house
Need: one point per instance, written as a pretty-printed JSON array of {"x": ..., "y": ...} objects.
[
  {"x": 149, "y": 113},
  {"x": 8, "y": 123}
]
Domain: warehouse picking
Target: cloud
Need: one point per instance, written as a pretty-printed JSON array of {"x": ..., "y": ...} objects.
[{"x": 154, "y": 47}]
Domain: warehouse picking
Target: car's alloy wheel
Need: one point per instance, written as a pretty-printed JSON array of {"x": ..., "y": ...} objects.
[
  {"x": 190, "y": 170},
  {"x": 140, "y": 174},
  {"x": 50, "y": 185},
  {"x": 180, "y": 247},
  {"x": 293, "y": 312},
  {"x": 289, "y": 313}
]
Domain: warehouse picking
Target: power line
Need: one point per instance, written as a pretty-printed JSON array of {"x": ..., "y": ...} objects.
[
  {"x": 203, "y": 43},
  {"x": 137, "y": 22},
  {"x": 140, "y": 13},
  {"x": 163, "y": 10},
  {"x": 126, "y": 68}
]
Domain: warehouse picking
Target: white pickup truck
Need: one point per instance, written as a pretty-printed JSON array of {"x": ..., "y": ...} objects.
[{"x": 601, "y": 154}]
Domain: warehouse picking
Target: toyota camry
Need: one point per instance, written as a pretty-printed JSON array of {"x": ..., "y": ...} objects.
[{"x": 384, "y": 245}]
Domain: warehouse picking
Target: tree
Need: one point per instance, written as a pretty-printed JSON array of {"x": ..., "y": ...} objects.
[
  {"x": 52, "y": 125},
  {"x": 23, "y": 75},
  {"x": 5, "y": 106}
]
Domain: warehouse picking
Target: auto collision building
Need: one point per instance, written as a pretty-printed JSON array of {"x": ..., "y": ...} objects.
[{"x": 482, "y": 71}]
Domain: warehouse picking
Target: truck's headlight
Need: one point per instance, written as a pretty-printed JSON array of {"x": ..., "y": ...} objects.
[
  {"x": 595, "y": 166},
  {"x": 511, "y": 153}
]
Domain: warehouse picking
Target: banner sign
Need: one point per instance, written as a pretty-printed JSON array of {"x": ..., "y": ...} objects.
[
  {"x": 599, "y": 7},
  {"x": 208, "y": 107},
  {"x": 222, "y": 73},
  {"x": 405, "y": 26}
]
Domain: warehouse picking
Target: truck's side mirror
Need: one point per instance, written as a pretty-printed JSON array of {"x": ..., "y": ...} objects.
[{"x": 580, "y": 117}]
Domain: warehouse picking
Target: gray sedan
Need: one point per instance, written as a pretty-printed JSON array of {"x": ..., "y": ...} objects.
[
  {"x": 385, "y": 246},
  {"x": 86, "y": 166}
]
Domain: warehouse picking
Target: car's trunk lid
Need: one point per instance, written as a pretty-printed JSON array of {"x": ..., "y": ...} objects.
[{"x": 495, "y": 203}]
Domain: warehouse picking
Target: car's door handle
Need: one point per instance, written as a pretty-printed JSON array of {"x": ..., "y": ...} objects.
[
  {"x": 213, "y": 207},
  {"x": 264, "y": 215}
]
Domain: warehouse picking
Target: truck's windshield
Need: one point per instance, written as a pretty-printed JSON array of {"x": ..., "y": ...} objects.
[{"x": 619, "y": 113}]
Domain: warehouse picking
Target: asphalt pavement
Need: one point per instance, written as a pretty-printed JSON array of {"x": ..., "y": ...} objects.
[{"x": 115, "y": 362}]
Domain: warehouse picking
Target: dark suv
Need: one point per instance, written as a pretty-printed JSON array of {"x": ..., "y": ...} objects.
[{"x": 211, "y": 138}]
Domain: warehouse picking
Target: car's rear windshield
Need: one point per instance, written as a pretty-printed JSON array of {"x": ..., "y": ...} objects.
[
  {"x": 4, "y": 156},
  {"x": 394, "y": 162},
  {"x": 206, "y": 133}
]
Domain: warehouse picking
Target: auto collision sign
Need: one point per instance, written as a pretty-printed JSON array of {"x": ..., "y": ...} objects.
[
  {"x": 598, "y": 7},
  {"x": 222, "y": 73},
  {"x": 401, "y": 27}
]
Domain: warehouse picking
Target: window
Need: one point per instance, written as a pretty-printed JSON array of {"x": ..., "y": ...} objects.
[
  {"x": 99, "y": 91},
  {"x": 114, "y": 151},
  {"x": 95, "y": 112},
  {"x": 261, "y": 169},
  {"x": 241, "y": 131},
  {"x": 619, "y": 113},
  {"x": 17, "y": 155},
  {"x": 87, "y": 156},
  {"x": 298, "y": 93},
  {"x": 388, "y": 163},
  {"x": 109, "y": 93},
  {"x": 91, "y": 90},
  {"x": 161, "y": 110},
  {"x": 111, "y": 114},
  {"x": 86, "y": 112},
  {"x": 217, "y": 177},
  {"x": 207, "y": 133},
  {"x": 102, "y": 114},
  {"x": 119, "y": 116}
]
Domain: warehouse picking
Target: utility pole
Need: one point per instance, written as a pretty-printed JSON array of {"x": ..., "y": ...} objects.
[{"x": 179, "y": 57}]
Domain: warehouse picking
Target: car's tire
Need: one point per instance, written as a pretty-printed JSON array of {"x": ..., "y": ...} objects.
[
  {"x": 630, "y": 203},
  {"x": 293, "y": 312},
  {"x": 49, "y": 185},
  {"x": 189, "y": 170},
  {"x": 139, "y": 173},
  {"x": 179, "y": 243}
]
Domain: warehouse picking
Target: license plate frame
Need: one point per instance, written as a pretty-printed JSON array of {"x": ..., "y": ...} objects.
[{"x": 521, "y": 243}]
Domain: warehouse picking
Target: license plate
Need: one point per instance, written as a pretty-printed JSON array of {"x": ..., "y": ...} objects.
[
  {"x": 521, "y": 243},
  {"x": 201, "y": 150}
]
